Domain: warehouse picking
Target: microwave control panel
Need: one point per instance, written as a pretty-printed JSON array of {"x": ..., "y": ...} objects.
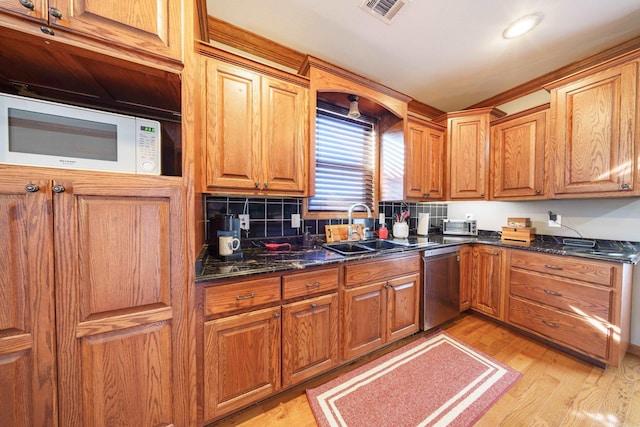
[{"x": 147, "y": 147}]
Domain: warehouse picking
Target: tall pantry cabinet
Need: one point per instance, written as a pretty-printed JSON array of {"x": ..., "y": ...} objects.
[{"x": 93, "y": 315}]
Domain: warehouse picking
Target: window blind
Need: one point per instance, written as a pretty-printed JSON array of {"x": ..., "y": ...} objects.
[{"x": 345, "y": 163}]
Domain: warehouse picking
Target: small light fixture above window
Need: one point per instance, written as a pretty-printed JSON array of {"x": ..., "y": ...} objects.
[
  {"x": 353, "y": 106},
  {"x": 522, "y": 25}
]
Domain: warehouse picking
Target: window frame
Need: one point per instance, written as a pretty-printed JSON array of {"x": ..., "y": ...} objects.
[{"x": 341, "y": 214}]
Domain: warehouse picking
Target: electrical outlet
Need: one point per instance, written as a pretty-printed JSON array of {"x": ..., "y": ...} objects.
[
  {"x": 244, "y": 221},
  {"x": 295, "y": 220},
  {"x": 555, "y": 222}
]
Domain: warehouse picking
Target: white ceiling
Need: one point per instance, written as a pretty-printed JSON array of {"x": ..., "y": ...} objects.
[{"x": 449, "y": 54}]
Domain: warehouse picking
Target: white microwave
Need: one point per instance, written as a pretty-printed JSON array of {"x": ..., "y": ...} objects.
[{"x": 48, "y": 134}]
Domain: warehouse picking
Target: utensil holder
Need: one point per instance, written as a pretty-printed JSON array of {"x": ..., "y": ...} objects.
[{"x": 400, "y": 230}]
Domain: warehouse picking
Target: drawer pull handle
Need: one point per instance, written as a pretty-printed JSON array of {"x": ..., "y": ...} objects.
[
  {"x": 313, "y": 285},
  {"x": 241, "y": 297},
  {"x": 552, "y": 267},
  {"x": 554, "y": 293},
  {"x": 551, "y": 324}
]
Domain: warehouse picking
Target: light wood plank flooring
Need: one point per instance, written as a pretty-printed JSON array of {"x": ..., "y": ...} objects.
[{"x": 555, "y": 389}]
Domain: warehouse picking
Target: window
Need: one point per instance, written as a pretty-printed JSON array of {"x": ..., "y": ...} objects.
[{"x": 345, "y": 163}]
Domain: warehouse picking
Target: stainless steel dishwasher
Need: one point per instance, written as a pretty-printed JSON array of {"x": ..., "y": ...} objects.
[{"x": 440, "y": 286}]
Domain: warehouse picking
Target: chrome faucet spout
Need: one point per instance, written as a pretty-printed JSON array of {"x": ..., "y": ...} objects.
[{"x": 350, "y": 212}]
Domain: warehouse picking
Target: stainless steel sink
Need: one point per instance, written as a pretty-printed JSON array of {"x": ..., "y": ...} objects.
[
  {"x": 362, "y": 246},
  {"x": 380, "y": 244}
]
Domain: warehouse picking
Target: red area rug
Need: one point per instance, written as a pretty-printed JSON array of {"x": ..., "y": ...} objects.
[{"x": 434, "y": 381}]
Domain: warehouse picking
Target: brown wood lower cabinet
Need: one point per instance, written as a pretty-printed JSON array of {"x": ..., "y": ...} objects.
[
  {"x": 487, "y": 280},
  {"x": 380, "y": 303},
  {"x": 242, "y": 360},
  {"x": 309, "y": 338},
  {"x": 262, "y": 334},
  {"x": 580, "y": 304},
  {"x": 116, "y": 351}
]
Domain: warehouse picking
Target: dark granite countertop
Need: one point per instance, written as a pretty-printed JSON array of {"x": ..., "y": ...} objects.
[{"x": 257, "y": 259}]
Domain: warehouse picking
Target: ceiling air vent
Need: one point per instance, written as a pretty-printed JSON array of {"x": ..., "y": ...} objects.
[{"x": 384, "y": 10}]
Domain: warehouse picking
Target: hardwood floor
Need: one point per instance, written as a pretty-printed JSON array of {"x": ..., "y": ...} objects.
[{"x": 555, "y": 389}]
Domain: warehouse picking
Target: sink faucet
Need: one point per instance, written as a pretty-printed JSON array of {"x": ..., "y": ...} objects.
[{"x": 350, "y": 226}]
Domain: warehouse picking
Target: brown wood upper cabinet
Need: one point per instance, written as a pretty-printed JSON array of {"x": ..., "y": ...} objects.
[
  {"x": 257, "y": 130},
  {"x": 518, "y": 155},
  {"x": 152, "y": 27},
  {"x": 594, "y": 137},
  {"x": 116, "y": 347},
  {"x": 468, "y": 152},
  {"x": 424, "y": 162}
]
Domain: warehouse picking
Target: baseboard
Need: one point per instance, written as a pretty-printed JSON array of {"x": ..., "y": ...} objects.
[{"x": 634, "y": 349}]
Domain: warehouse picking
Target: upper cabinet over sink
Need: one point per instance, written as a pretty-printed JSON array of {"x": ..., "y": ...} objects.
[
  {"x": 594, "y": 132},
  {"x": 256, "y": 122}
]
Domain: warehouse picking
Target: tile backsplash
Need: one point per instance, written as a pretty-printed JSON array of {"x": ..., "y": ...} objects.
[{"x": 271, "y": 217}]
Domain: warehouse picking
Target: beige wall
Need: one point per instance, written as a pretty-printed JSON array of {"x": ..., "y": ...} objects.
[{"x": 612, "y": 219}]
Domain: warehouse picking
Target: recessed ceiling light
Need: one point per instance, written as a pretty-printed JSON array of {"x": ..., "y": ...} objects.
[{"x": 522, "y": 25}]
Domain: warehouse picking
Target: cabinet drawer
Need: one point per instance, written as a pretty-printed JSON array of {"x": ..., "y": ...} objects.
[
  {"x": 562, "y": 293},
  {"x": 600, "y": 273},
  {"x": 585, "y": 334},
  {"x": 243, "y": 295},
  {"x": 309, "y": 283},
  {"x": 381, "y": 269}
]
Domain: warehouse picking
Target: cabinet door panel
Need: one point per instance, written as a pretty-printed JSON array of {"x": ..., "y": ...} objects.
[
  {"x": 403, "y": 309},
  {"x": 39, "y": 11},
  {"x": 233, "y": 126},
  {"x": 27, "y": 320},
  {"x": 414, "y": 160},
  {"x": 114, "y": 264},
  {"x": 595, "y": 133},
  {"x": 518, "y": 157},
  {"x": 364, "y": 320},
  {"x": 241, "y": 360},
  {"x": 149, "y": 25},
  {"x": 434, "y": 162},
  {"x": 132, "y": 368},
  {"x": 284, "y": 135},
  {"x": 468, "y": 157},
  {"x": 487, "y": 280},
  {"x": 309, "y": 338}
]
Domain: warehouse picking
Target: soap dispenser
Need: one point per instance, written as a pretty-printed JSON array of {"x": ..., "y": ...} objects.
[{"x": 307, "y": 240}]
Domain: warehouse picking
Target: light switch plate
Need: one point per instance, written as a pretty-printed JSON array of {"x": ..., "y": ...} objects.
[{"x": 295, "y": 220}]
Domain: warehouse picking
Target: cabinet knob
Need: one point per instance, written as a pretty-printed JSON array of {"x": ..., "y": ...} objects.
[
  {"x": 538, "y": 192},
  {"x": 47, "y": 30},
  {"x": 257, "y": 184},
  {"x": 481, "y": 194},
  {"x": 427, "y": 194},
  {"x": 28, "y": 4},
  {"x": 276, "y": 315},
  {"x": 58, "y": 188},
  {"x": 314, "y": 305},
  {"x": 625, "y": 187},
  {"x": 31, "y": 188},
  {"x": 266, "y": 184},
  {"x": 55, "y": 13},
  {"x": 496, "y": 253}
]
